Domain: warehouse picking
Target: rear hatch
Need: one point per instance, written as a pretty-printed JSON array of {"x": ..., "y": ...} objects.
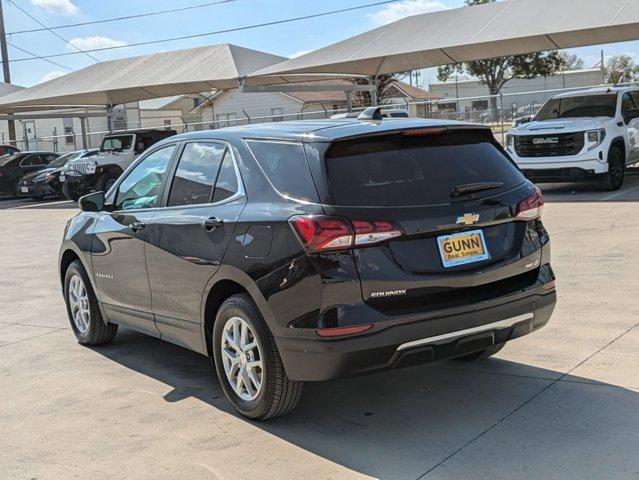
[{"x": 434, "y": 214}]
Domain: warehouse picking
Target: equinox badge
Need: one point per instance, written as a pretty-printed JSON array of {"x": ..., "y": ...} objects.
[{"x": 468, "y": 219}]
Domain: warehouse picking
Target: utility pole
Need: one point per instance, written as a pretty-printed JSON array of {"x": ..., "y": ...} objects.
[{"x": 6, "y": 71}]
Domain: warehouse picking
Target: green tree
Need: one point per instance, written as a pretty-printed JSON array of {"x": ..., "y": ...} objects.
[
  {"x": 496, "y": 72},
  {"x": 363, "y": 99},
  {"x": 621, "y": 69},
  {"x": 570, "y": 62}
]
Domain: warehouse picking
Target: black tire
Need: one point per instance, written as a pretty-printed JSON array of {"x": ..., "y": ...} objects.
[
  {"x": 482, "y": 354},
  {"x": 105, "y": 182},
  {"x": 278, "y": 394},
  {"x": 70, "y": 192},
  {"x": 97, "y": 331},
  {"x": 613, "y": 179}
]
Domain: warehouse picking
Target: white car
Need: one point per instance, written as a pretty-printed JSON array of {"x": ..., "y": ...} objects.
[{"x": 587, "y": 135}]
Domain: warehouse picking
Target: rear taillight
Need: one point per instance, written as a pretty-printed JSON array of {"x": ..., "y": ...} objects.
[
  {"x": 369, "y": 232},
  {"x": 322, "y": 233},
  {"x": 319, "y": 233},
  {"x": 530, "y": 208}
]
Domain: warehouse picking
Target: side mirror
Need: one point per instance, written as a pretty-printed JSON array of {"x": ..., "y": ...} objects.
[{"x": 93, "y": 202}]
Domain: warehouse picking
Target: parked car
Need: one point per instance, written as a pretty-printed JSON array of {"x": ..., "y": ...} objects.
[
  {"x": 46, "y": 182},
  {"x": 8, "y": 149},
  {"x": 14, "y": 167},
  {"x": 587, "y": 135},
  {"x": 117, "y": 152},
  {"x": 307, "y": 251}
]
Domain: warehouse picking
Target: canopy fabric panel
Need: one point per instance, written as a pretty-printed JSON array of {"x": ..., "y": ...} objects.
[
  {"x": 469, "y": 33},
  {"x": 140, "y": 78}
]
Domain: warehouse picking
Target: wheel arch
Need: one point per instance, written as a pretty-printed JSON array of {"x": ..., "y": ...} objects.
[
  {"x": 619, "y": 143},
  {"x": 226, "y": 282},
  {"x": 67, "y": 258}
]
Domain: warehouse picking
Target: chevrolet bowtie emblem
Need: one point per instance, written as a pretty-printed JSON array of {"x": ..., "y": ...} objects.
[{"x": 468, "y": 219}]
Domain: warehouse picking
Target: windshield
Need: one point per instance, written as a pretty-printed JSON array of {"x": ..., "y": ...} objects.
[
  {"x": 580, "y": 106},
  {"x": 64, "y": 159},
  {"x": 120, "y": 142}
]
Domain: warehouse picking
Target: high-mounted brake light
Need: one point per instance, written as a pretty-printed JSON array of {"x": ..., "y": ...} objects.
[
  {"x": 424, "y": 132},
  {"x": 530, "y": 208},
  {"x": 322, "y": 233}
]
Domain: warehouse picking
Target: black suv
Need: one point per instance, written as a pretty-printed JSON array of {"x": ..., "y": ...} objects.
[{"x": 311, "y": 250}]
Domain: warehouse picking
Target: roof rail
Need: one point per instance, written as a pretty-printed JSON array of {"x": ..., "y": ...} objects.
[{"x": 371, "y": 113}]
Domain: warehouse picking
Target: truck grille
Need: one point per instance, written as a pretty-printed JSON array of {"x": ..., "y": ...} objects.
[{"x": 559, "y": 145}]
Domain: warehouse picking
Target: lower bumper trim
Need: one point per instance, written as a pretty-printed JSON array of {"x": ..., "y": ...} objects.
[{"x": 447, "y": 337}]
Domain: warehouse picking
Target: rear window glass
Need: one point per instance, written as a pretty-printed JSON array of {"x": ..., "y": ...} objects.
[
  {"x": 286, "y": 168},
  {"x": 398, "y": 170}
]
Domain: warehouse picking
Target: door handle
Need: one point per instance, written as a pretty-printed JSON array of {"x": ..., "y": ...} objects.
[
  {"x": 136, "y": 226},
  {"x": 211, "y": 223}
]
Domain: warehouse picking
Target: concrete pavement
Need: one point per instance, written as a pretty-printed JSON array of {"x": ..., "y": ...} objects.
[{"x": 561, "y": 403}]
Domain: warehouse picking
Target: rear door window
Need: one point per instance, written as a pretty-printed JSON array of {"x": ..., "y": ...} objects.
[
  {"x": 400, "y": 170},
  {"x": 285, "y": 166},
  {"x": 196, "y": 174},
  {"x": 227, "y": 184}
]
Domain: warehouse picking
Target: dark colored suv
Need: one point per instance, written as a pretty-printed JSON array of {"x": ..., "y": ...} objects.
[{"x": 307, "y": 251}]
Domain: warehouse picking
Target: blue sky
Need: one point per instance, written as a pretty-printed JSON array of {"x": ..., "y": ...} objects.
[{"x": 287, "y": 39}]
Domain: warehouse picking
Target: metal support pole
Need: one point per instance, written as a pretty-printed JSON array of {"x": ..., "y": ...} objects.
[
  {"x": 349, "y": 101},
  {"x": 374, "y": 93},
  {"x": 6, "y": 71},
  {"x": 83, "y": 127},
  {"x": 501, "y": 107}
]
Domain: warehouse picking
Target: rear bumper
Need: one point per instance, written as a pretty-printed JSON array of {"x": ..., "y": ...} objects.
[
  {"x": 416, "y": 342},
  {"x": 35, "y": 190}
]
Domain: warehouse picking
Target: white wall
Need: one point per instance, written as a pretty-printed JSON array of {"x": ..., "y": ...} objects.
[
  {"x": 255, "y": 104},
  {"x": 473, "y": 88}
]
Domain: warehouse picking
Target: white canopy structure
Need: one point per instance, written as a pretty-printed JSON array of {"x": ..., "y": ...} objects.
[
  {"x": 164, "y": 74},
  {"x": 470, "y": 33}
]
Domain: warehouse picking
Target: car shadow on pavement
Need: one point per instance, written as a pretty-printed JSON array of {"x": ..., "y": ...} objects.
[
  {"x": 591, "y": 191},
  {"x": 28, "y": 203},
  {"x": 490, "y": 419}
]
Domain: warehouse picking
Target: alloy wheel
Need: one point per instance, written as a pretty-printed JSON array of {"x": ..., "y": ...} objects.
[
  {"x": 242, "y": 359},
  {"x": 79, "y": 304}
]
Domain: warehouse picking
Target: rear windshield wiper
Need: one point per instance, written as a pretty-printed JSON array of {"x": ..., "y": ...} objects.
[{"x": 471, "y": 188}]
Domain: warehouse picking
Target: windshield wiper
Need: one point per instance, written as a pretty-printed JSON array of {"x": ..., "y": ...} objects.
[{"x": 470, "y": 188}]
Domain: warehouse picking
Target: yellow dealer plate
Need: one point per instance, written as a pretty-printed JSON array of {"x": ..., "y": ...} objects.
[{"x": 463, "y": 248}]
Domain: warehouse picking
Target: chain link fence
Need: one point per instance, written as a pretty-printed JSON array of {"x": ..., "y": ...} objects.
[{"x": 500, "y": 112}]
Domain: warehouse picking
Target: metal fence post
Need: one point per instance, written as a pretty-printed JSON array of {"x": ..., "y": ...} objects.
[{"x": 501, "y": 107}]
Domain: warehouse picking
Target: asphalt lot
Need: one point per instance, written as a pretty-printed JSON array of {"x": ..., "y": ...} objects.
[{"x": 562, "y": 403}]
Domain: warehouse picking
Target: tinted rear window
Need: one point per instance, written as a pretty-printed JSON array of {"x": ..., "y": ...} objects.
[
  {"x": 286, "y": 168},
  {"x": 396, "y": 170}
]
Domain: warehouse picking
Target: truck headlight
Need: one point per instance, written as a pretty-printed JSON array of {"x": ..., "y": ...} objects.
[
  {"x": 90, "y": 167},
  {"x": 594, "y": 138}
]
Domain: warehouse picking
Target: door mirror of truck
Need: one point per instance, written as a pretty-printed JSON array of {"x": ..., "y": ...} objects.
[{"x": 93, "y": 202}]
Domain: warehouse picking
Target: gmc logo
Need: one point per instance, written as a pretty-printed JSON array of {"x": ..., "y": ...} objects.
[{"x": 545, "y": 141}]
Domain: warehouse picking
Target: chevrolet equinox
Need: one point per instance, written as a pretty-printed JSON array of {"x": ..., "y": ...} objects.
[{"x": 312, "y": 250}]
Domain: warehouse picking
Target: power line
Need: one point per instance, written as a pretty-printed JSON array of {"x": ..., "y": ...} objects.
[
  {"x": 127, "y": 17},
  {"x": 38, "y": 57},
  {"x": 229, "y": 30},
  {"x": 54, "y": 33}
]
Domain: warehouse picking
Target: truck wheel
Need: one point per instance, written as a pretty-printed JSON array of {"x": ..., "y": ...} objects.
[
  {"x": 248, "y": 364},
  {"x": 105, "y": 182},
  {"x": 70, "y": 192},
  {"x": 613, "y": 179},
  {"x": 82, "y": 307},
  {"x": 482, "y": 354}
]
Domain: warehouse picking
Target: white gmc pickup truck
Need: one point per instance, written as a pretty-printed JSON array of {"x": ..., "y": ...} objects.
[{"x": 587, "y": 135}]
